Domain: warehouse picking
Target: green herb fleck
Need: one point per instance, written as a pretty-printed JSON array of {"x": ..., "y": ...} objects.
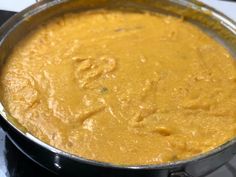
[{"x": 103, "y": 90}]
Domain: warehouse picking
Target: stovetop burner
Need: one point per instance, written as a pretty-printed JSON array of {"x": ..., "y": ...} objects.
[{"x": 15, "y": 164}]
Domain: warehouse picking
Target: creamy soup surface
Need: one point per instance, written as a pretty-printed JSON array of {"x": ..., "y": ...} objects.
[{"x": 122, "y": 87}]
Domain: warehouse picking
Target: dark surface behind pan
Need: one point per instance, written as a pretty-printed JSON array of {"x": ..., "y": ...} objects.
[{"x": 63, "y": 163}]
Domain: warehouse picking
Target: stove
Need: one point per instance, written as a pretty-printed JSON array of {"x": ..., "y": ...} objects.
[{"x": 15, "y": 164}]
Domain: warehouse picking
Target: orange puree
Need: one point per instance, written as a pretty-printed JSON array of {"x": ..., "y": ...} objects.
[{"x": 122, "y": 87}]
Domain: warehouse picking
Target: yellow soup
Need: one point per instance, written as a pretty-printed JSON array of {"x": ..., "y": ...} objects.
[{"x": 122, "y": 87}]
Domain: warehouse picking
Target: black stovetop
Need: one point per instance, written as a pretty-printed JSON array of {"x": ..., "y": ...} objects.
[{"x": 15, "y": 164}]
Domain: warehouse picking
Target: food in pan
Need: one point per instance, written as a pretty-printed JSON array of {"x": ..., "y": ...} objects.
[{"x": 122, "y": 87}]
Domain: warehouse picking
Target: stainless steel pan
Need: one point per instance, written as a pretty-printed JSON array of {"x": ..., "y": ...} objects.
[{"x": 59, "y": 162}]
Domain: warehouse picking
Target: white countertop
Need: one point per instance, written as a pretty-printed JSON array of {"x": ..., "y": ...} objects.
[
  {"x": 15, "y": 5},
  {"x": 228, "y": 8}
]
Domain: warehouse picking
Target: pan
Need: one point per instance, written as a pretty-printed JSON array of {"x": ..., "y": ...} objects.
[{"x": 63, "y": 163}]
